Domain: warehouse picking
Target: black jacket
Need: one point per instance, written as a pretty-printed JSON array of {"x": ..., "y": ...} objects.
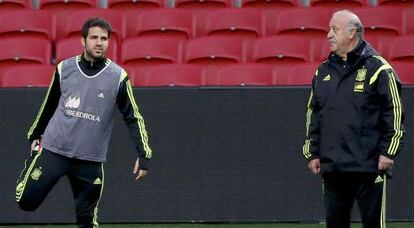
[{"x": 354, "y": 112}]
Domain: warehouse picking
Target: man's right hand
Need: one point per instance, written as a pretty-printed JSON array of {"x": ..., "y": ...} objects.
[
  {"x": 141, "y": 173},
  {"x": 315, "y": 166},
  {"x": 35, "y": 143}
]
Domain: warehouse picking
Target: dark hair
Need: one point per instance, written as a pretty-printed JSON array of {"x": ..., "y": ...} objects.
[{"x": 93, "y": 22}]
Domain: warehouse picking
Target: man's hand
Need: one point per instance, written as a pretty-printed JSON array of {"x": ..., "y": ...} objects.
[
  {"x": 315, "y": 166},
  {"x": 385, "y": 163},
  {"x": 35, "y": 143},
  {"x": 141, "y": 173}
]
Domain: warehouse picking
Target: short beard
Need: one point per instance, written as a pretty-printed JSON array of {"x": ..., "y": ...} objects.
[{"x": 90, "y": 55}]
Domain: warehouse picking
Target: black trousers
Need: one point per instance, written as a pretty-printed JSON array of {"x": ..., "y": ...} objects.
[
  {"x": 342, "y": 189},
  {"x": 43, "y": 170}
]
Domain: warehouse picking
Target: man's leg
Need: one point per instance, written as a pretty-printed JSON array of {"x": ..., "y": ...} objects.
[
  {"x": 370, "y": 200},
  {"x": 339, "y": 199},
  {"x": 41, "y": 172},
  {"x": 87, "y": 179}
]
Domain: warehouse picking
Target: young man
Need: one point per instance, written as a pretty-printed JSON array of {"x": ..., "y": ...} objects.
[
  {"x": 71, "y": 132},
  {"x": 354, "y": 125}
]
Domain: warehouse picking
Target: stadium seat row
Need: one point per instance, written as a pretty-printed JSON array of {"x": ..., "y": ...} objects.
[
  {"x": 187, "y": 24},
  {"x": 145, "y": 4},
  {"x": 251, "y": 74},
  {"x": 276, "y": 50}
]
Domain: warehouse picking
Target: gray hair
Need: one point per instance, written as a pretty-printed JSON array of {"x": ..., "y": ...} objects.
[
  {"x": 357, "y": 25},
  {"x": 353, "y": 23}
]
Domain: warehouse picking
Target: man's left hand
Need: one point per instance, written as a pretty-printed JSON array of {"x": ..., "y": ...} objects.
[
  {"x": 141, "y": 172},
  {"x": 385, "y": 163}
]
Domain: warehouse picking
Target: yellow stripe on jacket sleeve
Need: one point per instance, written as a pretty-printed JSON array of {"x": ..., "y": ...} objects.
[
  {"x": 39, "y": 114},
  {"x": 397, "y": 111},
  {"x": 140, "y": 119},
  {"x": 385, "y": 65},
  {"x": 375, "y": 76},
  {"x": 306, "y": 146},
  {"x": 123, "y": 75},
  {"x": 306, "y": 150}
]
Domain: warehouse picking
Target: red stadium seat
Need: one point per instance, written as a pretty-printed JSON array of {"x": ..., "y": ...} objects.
[
  {"x": 69, "y": 47},
  {"x": 214, "y": 51},
  {"x": 282, "y": 50},
  {"x": 20, "y": 51},
  {"x": 26, "y": 23},
  {"x": 270, "y": 19},
  {"x": 135, "y": 4},
  {"x": 150, "y": 51},
  {"x": 402, "y": 49},
  {"x": 311, "y": 22},
  {"x": 72, "y": 25},
  {"x": 170, "y": 75},
  {"x": 408, "y": 22},
  {"x": 381, "y": 44},
  {"x": 200, "y": 18},
  {"x": 320, "y": 49},
  {"x": 27, "y": 76},
  {"x": 381, "y": 22},
  {"x": 246, "y": 23},
  {"x": 134, "y": 71},
  {"x": 141, "y": 53},
  {"x": 242, "y": 74},
  {"x": 266, "y": 4},
  {"x": 203, "y": 4},
  {"x": 301, "y": 74},
  {"x": 339, "y": 4},
  {"x": 173, "y": 23},
  {"x": 64, "y": 5},
  {"x": 7, "y": 5},
  {"x": 404, "y": 71},
  {"x": 406, "y": 4}
]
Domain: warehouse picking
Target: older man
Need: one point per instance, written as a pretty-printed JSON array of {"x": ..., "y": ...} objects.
[{"x": 354, "y": 124}]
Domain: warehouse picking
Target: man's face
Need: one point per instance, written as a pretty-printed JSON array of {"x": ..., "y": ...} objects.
[
  {"x": 95, "y": 43},
  {"x": 339, "y": 35}
]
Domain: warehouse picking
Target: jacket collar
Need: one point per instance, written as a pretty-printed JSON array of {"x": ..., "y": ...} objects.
[
  {"x": 361, "y": 51},
  {"x": 98, "y": 64}
]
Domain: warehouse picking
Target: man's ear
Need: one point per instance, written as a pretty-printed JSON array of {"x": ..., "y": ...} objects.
[
  {"x": 83, "y": 41},
  {"x": 352, "y": 33}
]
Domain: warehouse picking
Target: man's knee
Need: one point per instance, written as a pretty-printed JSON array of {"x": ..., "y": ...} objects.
[{"x": 26, "y": 205}]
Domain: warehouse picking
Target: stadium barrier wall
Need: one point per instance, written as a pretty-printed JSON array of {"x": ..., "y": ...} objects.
[{"x": 220, "y": 155}]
